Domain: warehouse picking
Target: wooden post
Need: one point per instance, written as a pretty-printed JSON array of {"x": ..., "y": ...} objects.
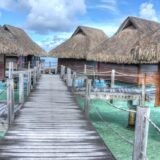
[
  {"x": 49, "y": 67},
  {"x": 29, "y": 80},
  {"x": 61, "y": 72},
  {"x": 21, "y": 88},
  {"x": 69, "y": 80},
  {"x": 34, "y": 77},
  {"x": 10, "y": 94},
  {"x": 10, "y": 74},
  {"x": 73, "y": 81},
  {"x": 29, "y": 83},
  {"x": 87, "y": 97},
  {"x": 12, "y": 67},
  {"x": 112, "y": 81},
  {"x": 132, "y": 115},
  {"x": 85, "y": 69},
  {"x": 141, "y": 134},
  {"x": 40, "y": 68},
  {"x": 112, "y": 78},
  {"x": 43, "y": 70},
  {"x": 37, "y": 70},
  {"x": 10, "y": 100},
  {"x": 56, "y": 68},
  {"x": 143, "y": 90},
  {"x": 29, "y": 65}
]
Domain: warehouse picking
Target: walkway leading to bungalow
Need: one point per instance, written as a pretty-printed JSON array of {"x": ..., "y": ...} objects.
[{"x": 51, "y": 126}]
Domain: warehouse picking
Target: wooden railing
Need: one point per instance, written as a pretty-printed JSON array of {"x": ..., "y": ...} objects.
[
  {"x": 29, "y": 77},
  {"x": 141, "y": 112}
]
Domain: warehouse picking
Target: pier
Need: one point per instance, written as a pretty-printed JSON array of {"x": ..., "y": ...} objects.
[{"x": 50, "y": 125}]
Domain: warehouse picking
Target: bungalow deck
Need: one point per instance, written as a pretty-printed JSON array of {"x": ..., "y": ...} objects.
[{"x": 51, "y": 126}]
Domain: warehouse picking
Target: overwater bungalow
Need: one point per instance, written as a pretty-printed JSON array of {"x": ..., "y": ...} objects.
[
  {"x": 122, "y": 52},
  {"x": 72, "y": 52},
  {"x": 30, "y": 51},
  {"x": 115, "y": 52},
  {"x": 8, "y": 47},
  {"x": 147, "y": 52}
]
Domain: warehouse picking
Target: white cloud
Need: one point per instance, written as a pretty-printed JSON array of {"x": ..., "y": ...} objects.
[
  {"x": 148, "y": 11},
  {"x": 57, "y": 15},
  {"x": 48, "y": 15},
  {"x": 106, "y": 4}
]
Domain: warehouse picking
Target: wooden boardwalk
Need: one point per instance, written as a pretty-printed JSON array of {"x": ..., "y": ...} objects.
[{"x": 51, "y": 126}]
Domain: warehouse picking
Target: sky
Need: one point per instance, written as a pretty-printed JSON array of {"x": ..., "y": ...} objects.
[{"x": 50, "y": 22}]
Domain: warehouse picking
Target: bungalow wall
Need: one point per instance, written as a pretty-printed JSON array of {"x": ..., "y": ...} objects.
[
  {"x": 75, "y": 64},
  {"x": 13, "y": 59},
  {"x": 18, "y": 62},
  {"x": 151, "y": 71},
  {"x": 2, "y": 67}
]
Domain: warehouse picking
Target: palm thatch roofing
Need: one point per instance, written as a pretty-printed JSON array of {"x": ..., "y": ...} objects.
[
  {"x": 118, "y": 48},
  {"x": 24, "y": 41},
  {"x": 8, "y": 43},
  {"x": 147, "y": 49},
  {"x": 80, "y": 43}
]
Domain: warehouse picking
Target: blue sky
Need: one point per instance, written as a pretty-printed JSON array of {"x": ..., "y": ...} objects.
[{"x": 50, "y": 22}]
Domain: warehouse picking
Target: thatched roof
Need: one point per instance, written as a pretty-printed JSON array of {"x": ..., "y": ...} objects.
[
  {"x": 8, "y": 43},
  {"x": 147, "y": 49},
  {"x": 117, "y": 49},
  {"x": 24, "y": 41},
  {"x": 79, "y": 44}
]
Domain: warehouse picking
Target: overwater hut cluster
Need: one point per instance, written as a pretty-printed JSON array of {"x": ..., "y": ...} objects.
[{"x": 133, "y": 49}]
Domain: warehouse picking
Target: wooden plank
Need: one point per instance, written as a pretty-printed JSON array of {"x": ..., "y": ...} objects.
[{"x": 51, "y": 126}]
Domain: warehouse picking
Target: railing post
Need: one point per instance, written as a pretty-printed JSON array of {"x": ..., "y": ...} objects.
[
  {"x": 10, "y": 95},
  {"x": 43, "y": 66},
  {"x": 21, "y": 88},
  {"x": 10, "y": 100},
  {"x": 61, "y": 72},
  {"x": 69, "y": 79},
  {"x": 87, "y": 97},
  {"x": 49, "y": 67},
  {"x": 10, "y": 74},
  {"x": 141, "y": 134},
  {"x": 29, "y": 80},
  {"x": 34, "y": 77},
  {"x": 112, "y": 78},
  {"x": 29, "y": 83},
  {"x": 132, "y": 115},
  {"x": 85, "y": 69},
  {"x": 143, "y": 90},
  {"x": 37, "y": 70},
  {"x": 73, "y": 81}
]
